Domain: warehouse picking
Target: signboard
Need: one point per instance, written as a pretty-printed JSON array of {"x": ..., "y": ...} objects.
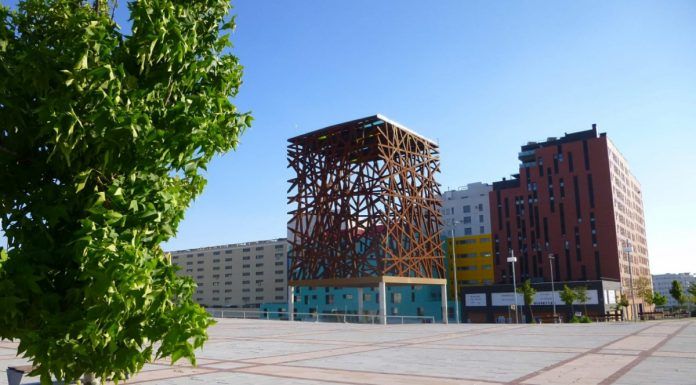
[
  {"x": 542, "y": 298},
  {"x": 505, "y": 299},
  {"x": 475, "y": 299}
]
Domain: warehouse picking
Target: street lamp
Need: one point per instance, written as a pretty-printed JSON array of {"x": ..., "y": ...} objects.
[
  {"x": 456, "y": 284},
  {"x": 553, "y": 289},
  {"x": 628, "y": 250},
  {"x": 512, "y": 260}
]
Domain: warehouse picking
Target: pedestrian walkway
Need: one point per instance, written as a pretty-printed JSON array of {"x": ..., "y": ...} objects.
[{"x": 263, "y": 352}]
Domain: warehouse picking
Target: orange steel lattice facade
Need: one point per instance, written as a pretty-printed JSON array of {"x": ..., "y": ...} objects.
[{"x": 365, "y": 204}]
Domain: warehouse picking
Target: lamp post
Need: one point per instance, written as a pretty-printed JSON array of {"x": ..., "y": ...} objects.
[
  {"x": 512, "y": 260},
  {"x": 553, "y": 289},
  {"x": 628, "y": 250},
  {"x": 456, "y": 284}
]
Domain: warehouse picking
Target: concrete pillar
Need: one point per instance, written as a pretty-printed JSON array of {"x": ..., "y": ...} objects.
[
  {"x": 444, "y": 304},
  {"x": 291, "y": 303},
  {"x": 360, "y": 303},
  {"x": 383, "y": 302}
]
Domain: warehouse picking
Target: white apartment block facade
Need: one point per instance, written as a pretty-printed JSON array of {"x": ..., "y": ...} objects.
[
  {"x": 467, "y": 210},
  {"x": 240, "y": 275},
  {"x": 662, "y": 283}
]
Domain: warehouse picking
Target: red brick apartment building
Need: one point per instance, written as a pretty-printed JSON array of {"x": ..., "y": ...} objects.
[{"x": 576, "y": 199}]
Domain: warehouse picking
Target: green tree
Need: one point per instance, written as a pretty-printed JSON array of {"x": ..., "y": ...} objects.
[
  {"x": 581, "y": 297},
  {"x": 659, "y": 300},
  {"x": 692, "y": 292},
  {"x": 103, "y": 139},
  {"x": 677, "y": 292},
  {"x": 528, "y": 294},
  {"x": 568, "y": 297}
]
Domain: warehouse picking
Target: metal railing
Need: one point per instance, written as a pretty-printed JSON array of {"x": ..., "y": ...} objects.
[{"x": 318, "y": 317}]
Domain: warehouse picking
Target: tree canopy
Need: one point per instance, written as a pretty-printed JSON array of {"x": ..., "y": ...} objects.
[
  {"x": 677, "y": 292},
  {"x": 103, "y": 139},
  {"x": 528, "y": 294}
]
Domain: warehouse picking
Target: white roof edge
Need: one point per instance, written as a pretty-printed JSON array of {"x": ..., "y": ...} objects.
[{"x": 403, "y": 127}]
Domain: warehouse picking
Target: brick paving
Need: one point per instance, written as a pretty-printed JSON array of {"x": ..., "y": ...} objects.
[{"x": 263, "y": 352}]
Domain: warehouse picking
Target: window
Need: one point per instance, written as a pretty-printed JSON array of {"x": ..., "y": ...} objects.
[
  {"x": 228, "y": 251},
  {"x": 260, "y": 256},
  {"x": 396, "y": 297},
  {"x": 216, "y": 253},
  {"x": 481, "y": 218},
  {"x": 216, "y": 268},
  {"x": 278, "y": 280},
  {"x": 199, "y": 277},
  {"x": 246, "y": 274},
  {"x": 485, "y": 240},
  {"x": 228, "y": 267},
  {"x": 246, "y": 258},
  {"x": 189, "y": 263},
  {"x": 259, "y": 248},
  {"x": 246, "y": 282},
  {"x": 246, "y": 266},
  {"x": 189, "y": 255},
  {"x": 466, "y": 209},
  {"x": 216, "y": 276},
  {"x": 466, "y": 220},
  {"x": 329, "y": 299},
  {"x": 259, "y": 298},
  {"x": 216, "y": 260},
  {"x": 189, "y": 270},
  {"x": 246, "y": 290},
  {"x": 466, "y": 241},
  {"x": 199, "y": 262},
  {"x": 259, "y": 289},
  {"x": 279, "y": 289},
  {"x": 482, "y": 230},
  {"x": 200, "y": 254},
  {"x": 279, "y": 263},
  {"x": 228, "y": 282},
  {"x": 259, "y": 264},
  {"x": 467, "y": 231},
  {"x": 200, "y": 269},
  {"x": 279, "y": 247},
  {"x": 228, "y": 259},
  {"x": 279, "y": 272},
  {"x": 259, "y": 273},
  {"x": 246, "y": 249}
]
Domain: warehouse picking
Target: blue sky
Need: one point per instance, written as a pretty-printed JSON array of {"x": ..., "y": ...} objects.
[{"x": 480, "y": 77}]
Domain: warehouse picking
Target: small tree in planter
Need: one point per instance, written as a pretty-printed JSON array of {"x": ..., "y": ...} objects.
[
  {"x": 103, "y": 139},
  {"x": 659, "y": 300},
  {"x": 568, "y": 297},
  {"x": 677, "y": 292},
  {"x": 622, "y": 303},
  {"x": 581, "y": 297},
  {"x": 528, "y": 294}
]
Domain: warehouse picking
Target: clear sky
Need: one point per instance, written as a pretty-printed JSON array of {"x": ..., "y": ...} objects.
[{"x": 480, "y": 77}]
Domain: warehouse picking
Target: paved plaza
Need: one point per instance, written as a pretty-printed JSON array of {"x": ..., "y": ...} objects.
[{"x": 304, "y": 353}]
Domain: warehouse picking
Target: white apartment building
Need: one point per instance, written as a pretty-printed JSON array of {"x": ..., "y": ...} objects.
[
  {"x": 662, "y": 283},
  {"x": 467, "y": 210},
  {"x": 243, "y": 275}
]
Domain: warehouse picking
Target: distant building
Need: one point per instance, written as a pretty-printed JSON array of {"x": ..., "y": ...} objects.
[
  {"x": 466, "y": 215},
  {"x": 662, "y": 283},
  {"x": 242, "y": 275},
  {"x": 574, "y": 198}
]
